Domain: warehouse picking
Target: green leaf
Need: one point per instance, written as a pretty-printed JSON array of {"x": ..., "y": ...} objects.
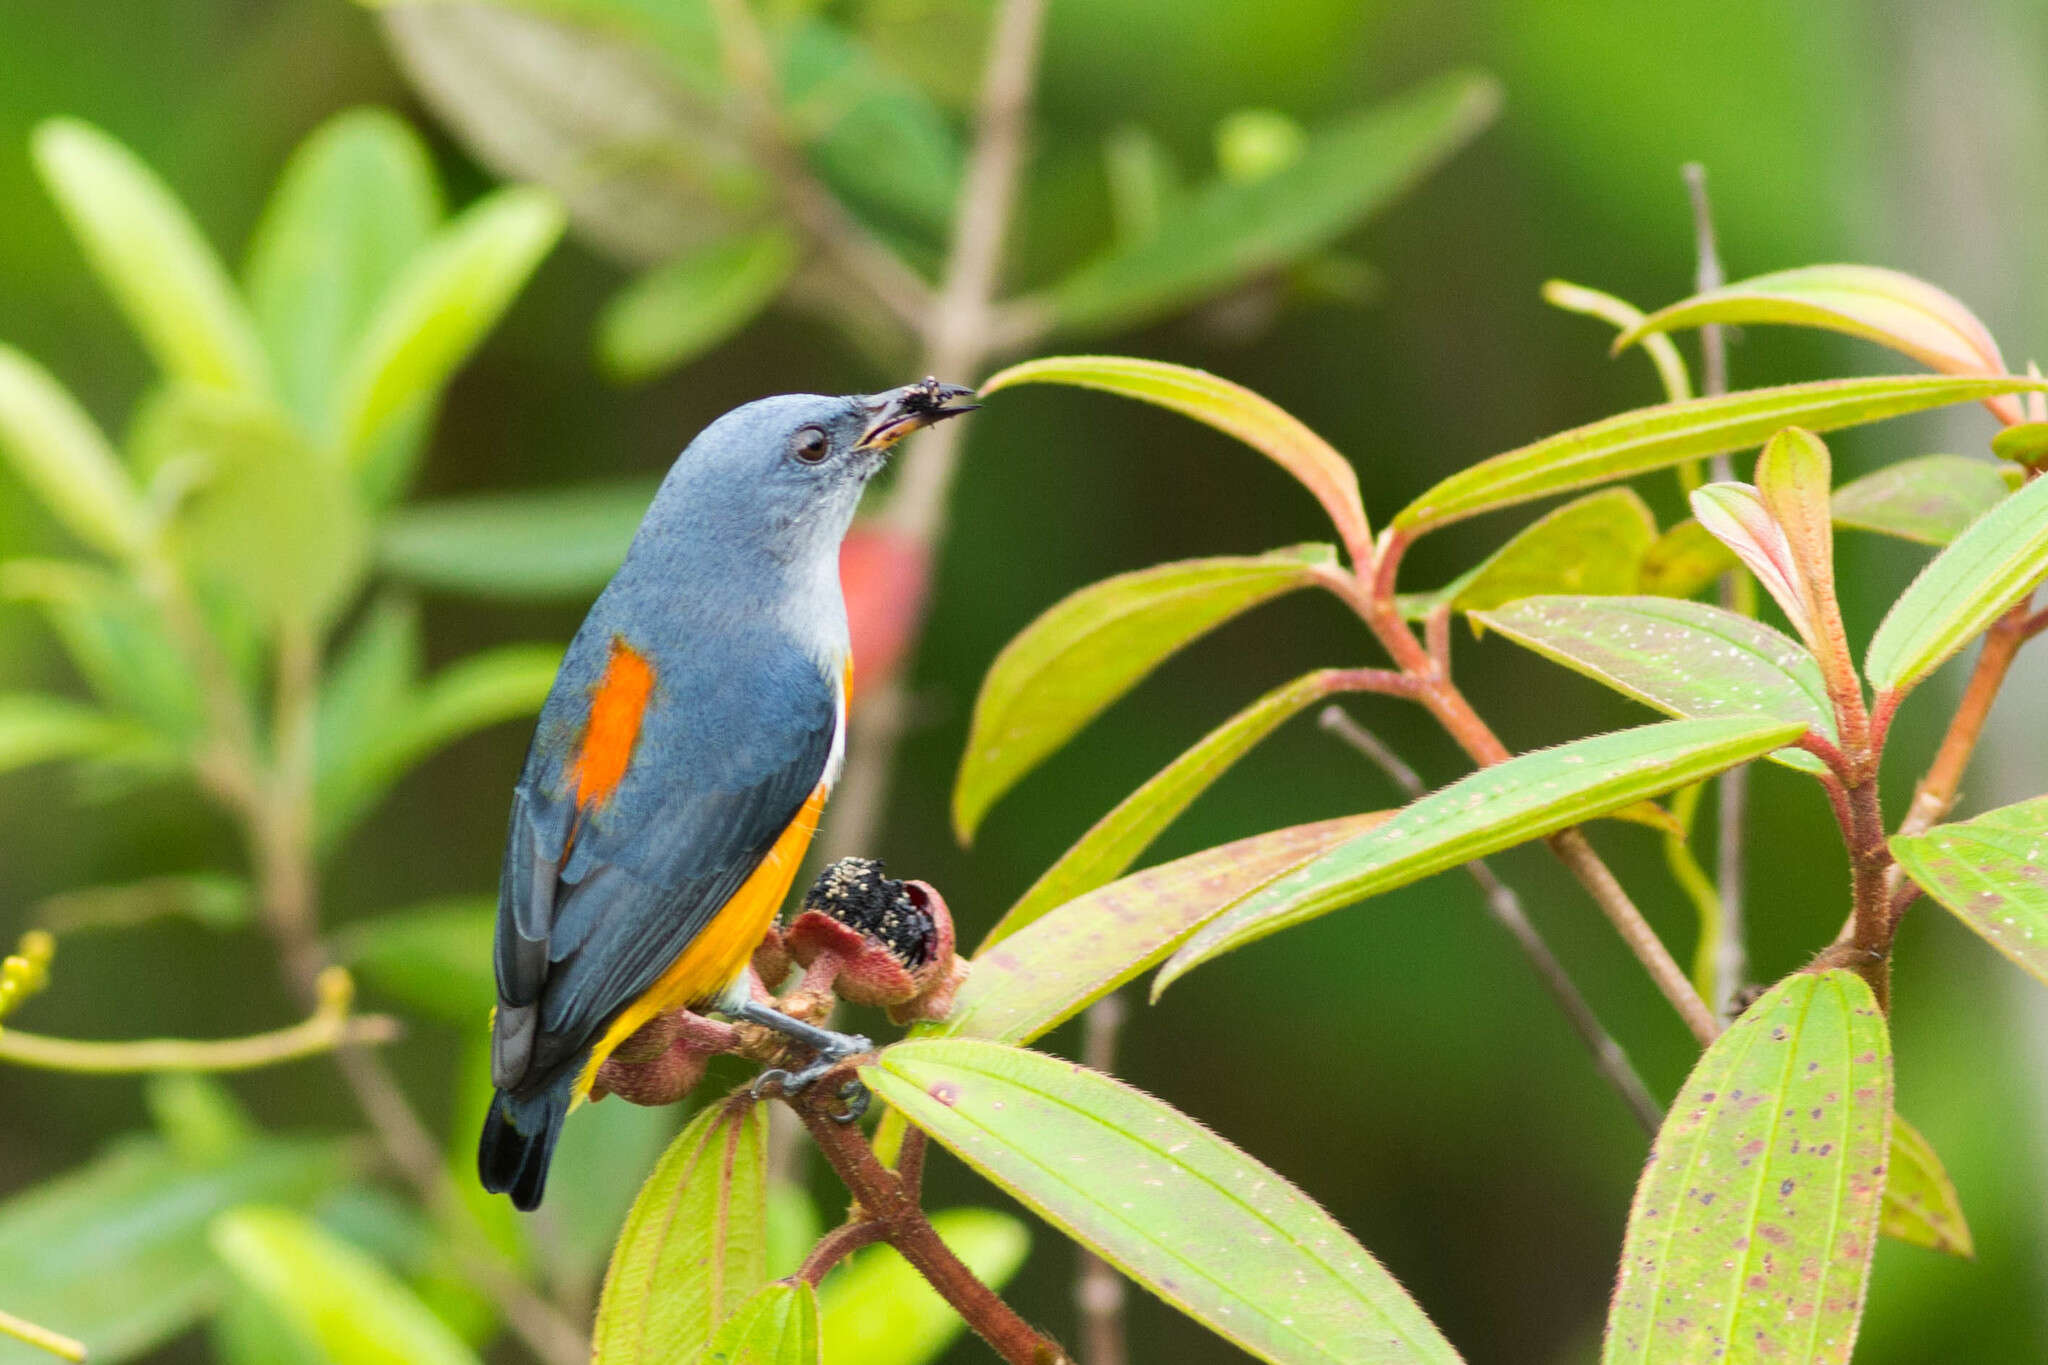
[
  {"x": 1684, "y": 560},
  {"x": 330, "y": 1292},
  {"x": 877, "y": 1310},
  {"x": 1523, "y": 798},
  {"x": 114, "y": 1252},
  {"x": 1229, "y": 231},
  {"x": 1144, "y": 184},
  {"x": 694, "y": 1246},
  {"x": 489, "y": 687},
  {"x": 59, "y": 452},
  {"x": 2023, "y": 443},
  {"x": 435, "y": 956},
  {"x": 597, "y": 1174},
  {"x": 1657, "y": 437},
  {"x": 198, "y": 1116},
  {"x": 1929, "y": 499},
  {"x": 1088, "y": 650},
  {"x": 369, "y": 685},
  {"x": 1044, "y": 973},
  {"x": 546, "y": 545},
  {"x": 1909, "y": 315},
  {"x": 1684, "y": 658},
  {"x": 245, "y": 1330},
  {"x": 1920, "y": 1201},
  {"x": 1114, "y": 842},
  {"x": 269, "y": 522},
  {"x": 1753, "y": 1227},
  {"x": 433, "y": 315},
  {"x": 151, "y": 257},
  {"x": 357, "y": 201},
  {"x": 1230, "y": 408},
  {"x": 116, "y": 638},
  {"x": 1190, "y": 1217},
  {"x": 777, "y": 1326},
  {"x": 1992, "y": 874},
  {"x": 675, "y": 312},
  {"x": 2002, "y": 555},
  {"x": 35, "y": 728},
  {"x": 1593, "y": 545}
]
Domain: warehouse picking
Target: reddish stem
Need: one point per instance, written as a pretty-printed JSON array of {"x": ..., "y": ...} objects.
[
  {"x": 890, "y": 1207},
  {"x": 835, "y": 1246}
]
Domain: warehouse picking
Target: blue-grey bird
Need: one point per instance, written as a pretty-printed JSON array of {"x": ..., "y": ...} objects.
[{"x": 682, "y": 758}]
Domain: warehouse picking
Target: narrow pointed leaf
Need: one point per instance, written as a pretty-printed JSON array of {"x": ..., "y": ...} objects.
[
  {"x": 878, "y": 1310},
  {"x": 1185, "y": 1214},
  {"x": 557, "y": 544},
  {"x": 1593, "y": 545},
  {"x": 58, "y": 451},
  {"x": 1118, "y": 838},
  {"x": 331, "y": 1293},
  {"x": 1684, "y": 561},
  {"x": 1230, "y": 231},
  {"x": 1684, "y": 658},
  {"x": 1892, "y": 309},
  {"x": 694, "y": 1247},
  {"x": 152, "y": 258},
  {"x": 1929, "y": 499},
  {"x": 357, "y": 201},
  {"x": 777, "y": 1326},
  {"x": 35, "y": 728},
  {"x": 2002, "y": 554},
  {"x": 1030, "y": 980},
  {"x": 1577, "y": 298},
  {"x": 1992, "y": 874},
  {"x": 1920, "y": 1201},
  {"x": 675, "y": 312},
  {"x": 1523, "y": 798},
  {"x": 1753, "y": 1227},
  {"x": 1735, "y": 514},
  {"x": 117, "y": 639},
  {"x": 1088, "y": 650},
  {"x": 487, "y": 688},
  {"x": 434, "y": 314},
  {"x": 1793, "y": 475},
  {"x": 1658, "y": 437},
  {"x": 1230, "y": 408}
]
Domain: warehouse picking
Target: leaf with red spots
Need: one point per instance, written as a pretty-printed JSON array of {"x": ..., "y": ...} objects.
[
  {"x": 1752, "y": 1229},
  {"x": 1185, "y": 1214},
  {"x": 1992, "y": 874},
  {"x": 695, "y": 1243}
]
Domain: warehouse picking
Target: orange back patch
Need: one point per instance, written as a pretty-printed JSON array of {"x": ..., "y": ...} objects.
[{"x": 616, "y": 706}]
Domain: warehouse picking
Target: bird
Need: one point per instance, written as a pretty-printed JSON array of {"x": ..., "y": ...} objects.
[{"x": 681, "y": 760}]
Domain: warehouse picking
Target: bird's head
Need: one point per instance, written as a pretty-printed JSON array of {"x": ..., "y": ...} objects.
[{"x": 786, "y": 472}]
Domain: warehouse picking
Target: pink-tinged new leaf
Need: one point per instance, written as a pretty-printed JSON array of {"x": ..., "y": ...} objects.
[
  {"x": 1738, "y": 518},
  {"x": 1909, "y": 315},
  {"x": 1753, "y": 1227},
  {"x": 1230, "y": 408}
]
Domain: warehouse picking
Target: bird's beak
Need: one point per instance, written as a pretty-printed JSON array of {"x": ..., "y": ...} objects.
[{"x": 899, "y": 412}]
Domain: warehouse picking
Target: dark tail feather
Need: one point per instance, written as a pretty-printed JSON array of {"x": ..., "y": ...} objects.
[{"x": 519, "y": 1142}]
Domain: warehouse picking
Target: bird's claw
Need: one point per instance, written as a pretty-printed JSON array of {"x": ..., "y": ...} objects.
[{"x": 830, "y": 1055}]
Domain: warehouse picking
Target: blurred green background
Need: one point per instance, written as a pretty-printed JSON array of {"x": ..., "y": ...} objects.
[{"x": 1397, "y": 1060}]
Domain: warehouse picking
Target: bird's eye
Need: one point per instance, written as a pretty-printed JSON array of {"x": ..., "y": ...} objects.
[{"x": 811, "y": 445}]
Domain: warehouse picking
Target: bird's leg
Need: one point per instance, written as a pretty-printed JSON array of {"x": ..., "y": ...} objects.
[{"x": 832, "y": 1049}]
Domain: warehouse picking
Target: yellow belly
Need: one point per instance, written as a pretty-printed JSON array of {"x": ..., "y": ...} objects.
[{"x": 721, "y": 949}]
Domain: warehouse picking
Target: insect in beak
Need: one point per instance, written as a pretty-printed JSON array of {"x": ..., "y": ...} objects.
[{"x": 913, "y": 407}]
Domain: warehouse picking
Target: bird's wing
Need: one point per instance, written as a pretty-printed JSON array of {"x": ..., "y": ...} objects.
[{"x": 597, "y": 898}]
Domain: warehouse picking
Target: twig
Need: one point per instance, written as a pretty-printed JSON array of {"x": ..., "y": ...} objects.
[
  {"x": 1729, "y": 955},
  {"x": 1609, "y": 1058},
  {"x": 330, "y": 1026},
  {"x": 883, "y": 1198},
  {"x": 960, "y": 330},
  {"x": 1098, "y": 1289},
  {"x": 835, "y": 1246},
  {"x": 54, "y": 1342},
  {"x": 863, "y": 255}
]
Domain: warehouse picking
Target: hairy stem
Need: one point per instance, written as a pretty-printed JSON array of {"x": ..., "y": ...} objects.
[
  {"x": 885, "y": 1201},
  {"x": 1609, "y": 1058},
  {"x": 835, "y": 1246}
]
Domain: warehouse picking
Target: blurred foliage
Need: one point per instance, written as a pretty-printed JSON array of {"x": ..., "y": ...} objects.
[{"x": 1505, "y": 1229}]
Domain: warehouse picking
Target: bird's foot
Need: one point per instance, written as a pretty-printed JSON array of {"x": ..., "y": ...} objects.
[{"x": 831, "y": 1048}]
